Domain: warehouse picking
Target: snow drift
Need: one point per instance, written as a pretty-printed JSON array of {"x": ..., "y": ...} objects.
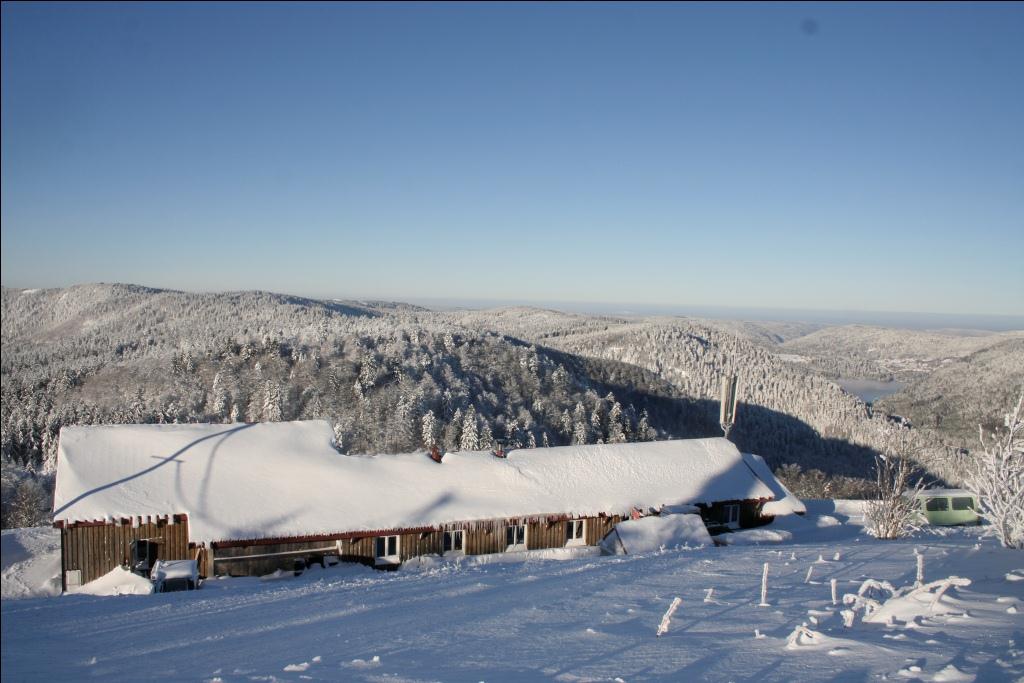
[
  {"x": 652, "y": 533},
  {"x": 31, "y": 562}
]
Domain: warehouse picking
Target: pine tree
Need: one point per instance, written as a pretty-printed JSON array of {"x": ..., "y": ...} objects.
[
  {"x": 486, "y": 438},
  {"x": 314, "y": 407},
  {"x": 453, "y": 431},
  {"x": 616, "y": 433},
  {"x": 428, "y": 429},
  {"x": 566, "y": 423},
  {"x": 218, "y": 399},
  {"x": 339, "y": 437},
  {"x": 469, "y": 440},
  {"x": 643, "y": 430},
  {"x": 271, "y": 402},
  {"x": 579, "y": 434}
]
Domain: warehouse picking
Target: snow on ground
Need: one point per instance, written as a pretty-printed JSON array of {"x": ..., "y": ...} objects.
[
  {"x": 117, "y": 581},
  {"x": 583, "y": 618},
  {"x": 31, "y": 562}
]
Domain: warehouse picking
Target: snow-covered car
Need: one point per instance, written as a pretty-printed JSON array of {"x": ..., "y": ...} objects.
[{"x": 174, "y": 575}]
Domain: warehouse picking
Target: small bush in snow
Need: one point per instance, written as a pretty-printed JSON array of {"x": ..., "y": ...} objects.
[
  {"x": 26, "y": 501},
  {"x": 893, "y": 513},
  {"x": 996, "y": 475}
]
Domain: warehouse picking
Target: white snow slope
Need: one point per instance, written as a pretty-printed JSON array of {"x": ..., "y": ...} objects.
[
  {"x": 283, "y": 479},
  {"x": 580, "y": 619},
  {"x": 31, "y": 562}
]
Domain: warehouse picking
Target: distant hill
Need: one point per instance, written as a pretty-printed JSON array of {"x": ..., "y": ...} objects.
[
  {"x": 862, "y": 352},
  {"x": 963, "y": 393}
]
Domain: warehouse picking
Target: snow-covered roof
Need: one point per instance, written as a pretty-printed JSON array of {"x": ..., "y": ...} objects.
[
  {"x": 282, "y": 479},
  {"x": 942, "y": 493},
  {"x": 785, "y": 502}
]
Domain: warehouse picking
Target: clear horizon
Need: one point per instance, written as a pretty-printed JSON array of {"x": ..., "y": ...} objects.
[
  {"x": 789, "y": 157},
  {"x": 826, "y": 317}
]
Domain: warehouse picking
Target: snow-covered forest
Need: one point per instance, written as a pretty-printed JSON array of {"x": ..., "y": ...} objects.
[{"x": 394, "y": 377}]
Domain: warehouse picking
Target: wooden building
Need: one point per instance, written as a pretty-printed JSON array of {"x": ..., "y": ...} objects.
[{"x": 248, "y": 499}]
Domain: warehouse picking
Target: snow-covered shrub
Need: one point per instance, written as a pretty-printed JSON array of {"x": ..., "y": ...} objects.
[
  {"x": 893, "y": 512},
  {"x": 996, "y": 475},
  {"x": 26, "y": 500},
  {"x": 813, "y": 483}
]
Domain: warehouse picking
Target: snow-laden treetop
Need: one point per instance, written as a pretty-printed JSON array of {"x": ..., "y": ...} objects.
[{"x": 281, "y": 479}]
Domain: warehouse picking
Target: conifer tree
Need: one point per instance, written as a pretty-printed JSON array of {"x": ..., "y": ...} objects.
[
  {"x": 428, "y": 429},
  {"x": 469, "y": 439}
]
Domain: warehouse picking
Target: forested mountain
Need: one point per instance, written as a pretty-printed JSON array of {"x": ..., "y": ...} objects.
[
  {"x": 392, "y": 377},
  {"x": 787, "y": 412},
  {"x": 865, "y": 352},
  {"x": 965, "y": 393}
]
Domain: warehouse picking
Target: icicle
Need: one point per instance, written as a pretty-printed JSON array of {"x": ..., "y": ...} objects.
[
  {"x": 764, "y": 587},
  {"x": 810, "y": 570},
  {"x": 835, "y": 597}
]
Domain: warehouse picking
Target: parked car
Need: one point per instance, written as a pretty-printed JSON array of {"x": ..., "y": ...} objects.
[
  {"x": 948, "y": 507},
  {"x": 174, "y": 575}
]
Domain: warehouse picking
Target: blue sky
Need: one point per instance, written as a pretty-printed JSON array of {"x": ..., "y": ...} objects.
[{"x": 855, "y": 157}]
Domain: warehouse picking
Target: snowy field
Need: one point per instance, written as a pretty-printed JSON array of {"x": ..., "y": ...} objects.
[{"x": 580, "y": 618}]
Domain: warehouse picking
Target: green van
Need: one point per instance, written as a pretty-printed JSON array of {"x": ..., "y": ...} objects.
[{"x": 947, "y": 507}]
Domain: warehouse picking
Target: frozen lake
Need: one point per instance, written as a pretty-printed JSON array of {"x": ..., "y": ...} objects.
[{"x": 869, "y": 390}]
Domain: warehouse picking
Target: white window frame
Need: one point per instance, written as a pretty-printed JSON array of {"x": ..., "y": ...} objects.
[
  {"x": 579, "y": 532},
  {"x": 392, "y": 558},
  {"x": 517, "y": 547},
  {"x": 462, "y": 542},
  {"x": 731, "y": 515}
]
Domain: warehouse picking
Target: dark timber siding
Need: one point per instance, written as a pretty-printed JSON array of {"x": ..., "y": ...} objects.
[
  {"x": 97, "y": 548},
  {"x": 257, "y": 557},
  {"x": 750, "y": 514},
  {"x": 257, "y": 560}
]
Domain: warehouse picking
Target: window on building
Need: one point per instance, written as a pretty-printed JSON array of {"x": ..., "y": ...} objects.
[
  {"x": 938, "y": 504},
  {"x": 453, "y": 541},
  {"x": 515, "y": 537},
  {"x": 575, "y": 532},
  {"x": 963, "y": 503},
  {"x": 386, "y": 548},
  {"x": 731, "y": 514}
]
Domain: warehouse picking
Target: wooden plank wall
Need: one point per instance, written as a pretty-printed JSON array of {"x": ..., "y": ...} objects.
[
  {"x": 259, "y": 560},
  {"x": 479, "y": 538},
  {"x": 95, "y": 549},
  {"x": 598, "y": 528}
]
